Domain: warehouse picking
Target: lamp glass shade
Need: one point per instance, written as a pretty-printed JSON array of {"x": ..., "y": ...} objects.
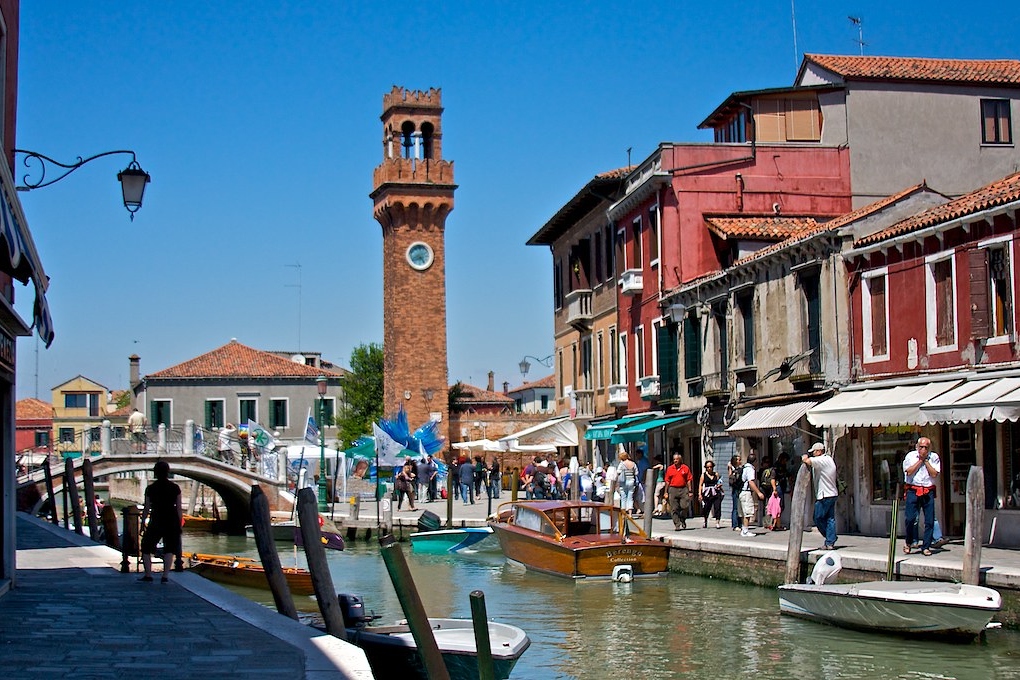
[
  {"x": 525, "y": 366},
  {"x": 320, "y": 384},
  {"x": 132, "y": 183},
  {"x": 677, "y": 312}
]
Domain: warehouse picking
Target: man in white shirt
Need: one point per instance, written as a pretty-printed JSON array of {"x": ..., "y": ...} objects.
[
  {"x": 136, "y": 423},
  {"x": 921, "y": 469},
  {"x": 823, "y": 473},
  {"x": 748, "y": 492}
]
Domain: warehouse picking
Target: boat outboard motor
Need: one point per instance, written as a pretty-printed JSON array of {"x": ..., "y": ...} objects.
[
  {"x": 826, "y": 568},
  {"x": 352, "y": 608}
]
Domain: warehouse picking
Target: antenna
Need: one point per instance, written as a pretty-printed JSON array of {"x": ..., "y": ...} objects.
[
  {"x": 856, "y": 21},
  {"x": 796, "y": 52},
  {"x": 298, "y": 286},
  {"x": 628, "y": 155}
]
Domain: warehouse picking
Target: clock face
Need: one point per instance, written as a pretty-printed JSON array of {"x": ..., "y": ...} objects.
[{"x": 420, "y": 256}]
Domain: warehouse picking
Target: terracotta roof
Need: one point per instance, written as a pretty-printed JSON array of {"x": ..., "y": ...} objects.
[
  {"x": 986, "y": 71},
  {"x": 541, "y": 383},
  {"x": 33, "y": 409},
  {"x": 765, "y": 228},
  {"x": 475, "y": 395},
  {"x": 871, "y": 208},
  {"x": 1006, "y": 190},
  {"x": 234, "y": 360}
]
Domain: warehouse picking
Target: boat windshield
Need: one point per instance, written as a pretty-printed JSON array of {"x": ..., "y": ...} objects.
[{"x": 527, "y": 518}]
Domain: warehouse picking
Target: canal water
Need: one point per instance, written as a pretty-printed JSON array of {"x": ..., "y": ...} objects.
[{"x": 673, "y": 627}]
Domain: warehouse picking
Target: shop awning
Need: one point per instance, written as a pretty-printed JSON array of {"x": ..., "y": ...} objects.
[
  {"x": 556, "y": 432},
  {"x": 877, "y": 406},
  {"x": 605, "y": 430},
  {"x": 771, "y": 421},
  {"x": 639, "y": 431},
  {"x": 976, "y": 400}
]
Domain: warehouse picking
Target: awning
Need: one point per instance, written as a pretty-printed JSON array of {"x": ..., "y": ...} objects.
[
  {"x": 638, "y": 432},
  {"x": 770, "y": 421},
  {"x": 877, "y": 406},
  {"x": 976, "y": 400},
  {"x": 556, "y": 432},
  {"x": 605, "y": 430}
]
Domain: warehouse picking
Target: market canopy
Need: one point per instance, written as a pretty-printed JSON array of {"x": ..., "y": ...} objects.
[
  {"x": 975, "y": 401},
  {"x": 639, "y": 431},
  {"x": 877, "y": 405},
  {"x": 605, "y": 429},
  {"x": 480, "y": 444},
  {"x": 364, "y": 447},
  {"x": 771, "y": 421},
  {"x": 552, "y": 433}
]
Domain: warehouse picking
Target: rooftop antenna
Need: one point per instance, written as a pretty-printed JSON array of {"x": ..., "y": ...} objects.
[
  {"x": 298, "y": 286},
  {"x": 856, "y": 21},
  {"x": 796, "y": 52}
]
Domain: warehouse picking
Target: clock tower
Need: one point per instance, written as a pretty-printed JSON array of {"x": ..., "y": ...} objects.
[{"x": 413, "y": 193}]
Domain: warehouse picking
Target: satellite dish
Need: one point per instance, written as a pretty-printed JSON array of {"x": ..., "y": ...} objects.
[{"x": 298, "y": 359}]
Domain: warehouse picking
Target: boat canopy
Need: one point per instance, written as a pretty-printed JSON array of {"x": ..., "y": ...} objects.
[
  {"x": 545, "y": 436},
  {"x": 639, "y": 432}
]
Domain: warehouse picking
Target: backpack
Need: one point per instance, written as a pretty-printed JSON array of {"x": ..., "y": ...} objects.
[
  {"x": 736, "y": 477},
  {"x": 766, "y": 479}
]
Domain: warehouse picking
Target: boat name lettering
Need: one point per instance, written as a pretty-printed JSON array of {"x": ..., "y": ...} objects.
[{"x": 623, "y": 552}]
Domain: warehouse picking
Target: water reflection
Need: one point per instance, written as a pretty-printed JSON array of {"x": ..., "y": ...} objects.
[{"x": 675, "y": 627}]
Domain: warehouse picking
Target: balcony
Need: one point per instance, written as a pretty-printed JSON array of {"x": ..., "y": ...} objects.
[
  {"x": 618, "y": 395},
  {"x": 631, "y": 282},
  {"x": 584, "y": 404},
  {"x": 650, "y": 387},
  {"x": 579, "y": 308},
  {"x": 715, "y": 385}
]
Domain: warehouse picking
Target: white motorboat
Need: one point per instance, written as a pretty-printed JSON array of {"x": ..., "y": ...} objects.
[{"x": 923, "y": 608}]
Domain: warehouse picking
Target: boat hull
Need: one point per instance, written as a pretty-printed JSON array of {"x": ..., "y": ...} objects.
[
  {"x": 916, "y": 608},
  {"x": 392, "y": 652},
  {"x": 467, "y": 539},
  {"x": 290, "y": 532},
  {"x": 246, "y": 572}
]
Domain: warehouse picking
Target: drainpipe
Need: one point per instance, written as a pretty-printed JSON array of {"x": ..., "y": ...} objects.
[{"x": 740, "y": 192}]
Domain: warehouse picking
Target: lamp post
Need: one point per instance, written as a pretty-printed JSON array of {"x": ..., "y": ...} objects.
[
  {"x": 132, "y": 178},
  {"x": 320, "y": 384},
  {"x": 525, "y": 365}
]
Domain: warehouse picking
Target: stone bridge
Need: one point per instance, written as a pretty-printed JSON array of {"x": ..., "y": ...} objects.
[{"x": 232, "y": 483}]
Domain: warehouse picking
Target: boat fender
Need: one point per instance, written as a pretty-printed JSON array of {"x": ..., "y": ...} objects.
[{"x": 623, "y": 573}]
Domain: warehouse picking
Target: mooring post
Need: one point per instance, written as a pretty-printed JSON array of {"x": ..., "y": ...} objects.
[
  {"x": 893, "y": 519},
  {"x": 49, "y": 492},
  {"x": 515, "y": 484},
  {"x": 315, "y": 554},
  {"x": 129, "y": 545},
  {"x": 483, "y": 647},
  {"x": 261, "y": 526},
  {"x": 109, "y": 519},
  {"x": 72, "y": 489},
  {"x": 414, "y": 610},
  {"x": 650, "y": 476},
  {"x": 90, "y": 497},
  {"x": 801, "y": 493},
  {"x": 449, "y": 498},
  {"x": 973, "y": 535}
]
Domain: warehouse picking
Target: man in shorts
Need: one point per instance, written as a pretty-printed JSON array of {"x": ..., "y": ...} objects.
[{"x": 166, "y": 516}]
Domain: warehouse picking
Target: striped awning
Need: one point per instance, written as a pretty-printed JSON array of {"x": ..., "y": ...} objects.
[
  {"x": 771, "y": 421},
  {"x": 639, "y": 431},
  {"x": 879, "y": 404},
  {"x": 605, "y": 429}
]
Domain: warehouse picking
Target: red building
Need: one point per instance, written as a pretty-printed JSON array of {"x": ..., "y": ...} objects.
[{"x": 34, "y": 423}]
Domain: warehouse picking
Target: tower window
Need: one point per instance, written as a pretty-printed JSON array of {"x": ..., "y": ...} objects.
[
  {"x": 427, "y": 131},
  {"x": 407, "y": 138}
]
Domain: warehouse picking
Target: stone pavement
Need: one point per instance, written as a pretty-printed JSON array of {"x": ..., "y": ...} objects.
[{"x": 73, "y": 614}]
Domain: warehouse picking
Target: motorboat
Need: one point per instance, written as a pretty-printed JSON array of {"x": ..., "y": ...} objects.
[
  {"x": 290, "y": 532},
  {"x": 392, "y": 652},
  {"x": 247, "y": 572},
  {"x": 915, "y": 608},
  {"x": 463, "y": 540},
  {"x": 578, "y": 539}
]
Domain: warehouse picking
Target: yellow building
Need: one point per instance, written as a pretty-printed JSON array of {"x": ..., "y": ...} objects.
[{"x": 79, "y": 407}]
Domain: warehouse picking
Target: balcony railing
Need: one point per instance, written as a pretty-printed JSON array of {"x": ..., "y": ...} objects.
[
  {"x": 584, "y": 401},
  {"x": 579, "y": 307},
  {"x": 631, "y": 282},
  {"x": 617, "y": 395},
  {"x": 650, "y": 387}
]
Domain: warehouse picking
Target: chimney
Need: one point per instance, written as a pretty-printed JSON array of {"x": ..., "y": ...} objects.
[
  {"x": 506, "y": 387},
  {"x": 492, "y": 383},
  {"x": 133, "y": 379}
]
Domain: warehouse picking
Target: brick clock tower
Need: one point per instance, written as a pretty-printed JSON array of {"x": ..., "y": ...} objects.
[{"x": 413, "y": 193}]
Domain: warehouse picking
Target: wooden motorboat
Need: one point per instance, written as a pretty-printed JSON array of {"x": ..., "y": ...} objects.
[
  {"x": 915, "y": 608},
  {"x": 247, "y": 572},
  {"x": 578, "y": 539},
  {"x": 290, "y": 532},
  {"x": 392, "y": 652},
  {"x": 465, "y": 539},
  {"x": 198, "y": 523}
]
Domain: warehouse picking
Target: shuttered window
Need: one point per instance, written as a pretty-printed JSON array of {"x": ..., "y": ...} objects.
[
  {"x": 877, "y": 307},
  {"x": 803, "y": 120},
  {"x": 996, "y": 127},
  {"x": 277, "y": 413},
  {"x": 980, "y": 328},
  {"x": 214, "y": 413},
  {"x": 667, "y": 361},
  {"x": 945, "y": 316},
  {"x": 692, "y": 345}
]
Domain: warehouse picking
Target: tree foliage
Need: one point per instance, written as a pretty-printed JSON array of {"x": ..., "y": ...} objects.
[
  {"x": 455, "y": 394},
  {"x": 363, "y": 394}
]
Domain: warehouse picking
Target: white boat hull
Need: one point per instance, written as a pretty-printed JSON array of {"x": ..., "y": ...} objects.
[{"x": 926, "y": 608}]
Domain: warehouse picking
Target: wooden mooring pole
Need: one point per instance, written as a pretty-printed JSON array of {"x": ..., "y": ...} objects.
[
  {"x": 90, "y": 497},
  {"x": 72, "y": 488},
  {"x": 129, "y": 545},
  {"x": 893, "y": 519},
  {"x": 261, "y": 526},
  {"x": 973, "y": 535},
  {"x": 650, "y": 476},
  {"x": 483, "y": 646},
  {"x": 801, "y": 493},
  {"x": 49, "y": 493},
  {"x": 315, "y": 554}
]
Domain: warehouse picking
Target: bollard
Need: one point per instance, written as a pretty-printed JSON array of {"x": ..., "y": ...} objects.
[
  {"x": 414, "y": 610},
  {"x": 109, "y": 520},
  {"x": 90, "y": 498},
  {"x": 483, "y": 646},
  {"x": 355, "y": 508},
  {"x": 262, "y": 527},
  {"x": 974, "y": 526},
  {"x": 72, "y": 489},
  {"x": 130, "y": 545},
  {"x": 449, "y": 498},
  {"x": 318, "y": 566},
  {"x": 515, "y": 484},
  {"x": 49, "y": 492},
  {"x": 801, "y": 490}
]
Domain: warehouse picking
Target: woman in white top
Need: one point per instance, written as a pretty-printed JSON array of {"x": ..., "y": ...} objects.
[{"x": 626, "y": 475}]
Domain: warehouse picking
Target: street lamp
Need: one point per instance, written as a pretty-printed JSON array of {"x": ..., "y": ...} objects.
[
  {"x": 320, "y": 384},
  {"x": 525, "y": 365},
  {"x": 132, "y": 178}
]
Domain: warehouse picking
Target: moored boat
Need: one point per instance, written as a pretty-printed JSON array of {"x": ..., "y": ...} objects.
[
  {"x": 247, "y": 572},
  {"x": 393, "y": 653},
  {"x": 290, "y": 532},
  {"x": 578, "y": 539},
  {"x": 199, "y": 523},
  {"x": 465, "y": 539}
]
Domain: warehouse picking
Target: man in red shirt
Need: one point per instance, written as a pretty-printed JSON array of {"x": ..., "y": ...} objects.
[{"x": 678, "y": 490}]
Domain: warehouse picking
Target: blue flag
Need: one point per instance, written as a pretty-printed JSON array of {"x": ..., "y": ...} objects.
[{"x": 311, "y": 431}]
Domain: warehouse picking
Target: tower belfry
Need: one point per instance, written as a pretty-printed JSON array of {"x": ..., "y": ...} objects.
[{"x": 413, "y": 193}]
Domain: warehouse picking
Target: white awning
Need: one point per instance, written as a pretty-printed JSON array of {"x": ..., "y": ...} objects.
[
  {"x": 877, "y": 406},
  {"x": 556, "y": 432},
  {"x": 770, "y": 421},
  {"x": 976, "y": 400}
]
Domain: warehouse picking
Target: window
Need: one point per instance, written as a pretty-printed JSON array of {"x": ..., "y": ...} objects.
[
  {"x": 621, "y": 375},
  {"x": 160, "y": 413},
  {"x": 889, "y": 446},
  {"x": 557, "y": 285},
  {"x": 635, "y": 251},
  {"x": 277, "y": 413},
  {"x": 619, "y": 261},
  {"x": 719, "y": 317},
  {"x": 653, "y": 234},
  {"x": 600, "y": 358},
  {"x": 77, "y": 400},
  {"x": 875, "y": 315},
  {"x": 66, "y": 435},
  {"x": 692, "y": 345},
  {"x": 639, "y": 354},
  {"x": 329, "y": 406},
  {"x": 745, "y": 305},
  {"x": 215, "y": 410},
  {"x": 991, "y": 294},
  {"x": 996, "y": 127},
  {"x": 42, "y": 438},
  {"x": 813, "y": 318},
  {"x": 614, "y": 362},
  {"x": 656, "y": 326},
  {"x": 247, "y": 409},
  {"x": 940, "y": 294},
  {"x": 586, "y": 377},
  {"x": 666, "y": 360},
  {"x": 600, "y": 274},
  {"x": 610, "y": 262},
  {"x": 545, "y": 402}
]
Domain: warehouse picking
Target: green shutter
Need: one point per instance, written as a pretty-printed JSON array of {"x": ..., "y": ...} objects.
[
  {"x": 668, "y": 360},
  {"x": 692, "y": 346}
]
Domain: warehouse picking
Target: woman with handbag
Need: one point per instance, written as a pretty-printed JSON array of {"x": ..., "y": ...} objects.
[{"x": 710, "y": 490}]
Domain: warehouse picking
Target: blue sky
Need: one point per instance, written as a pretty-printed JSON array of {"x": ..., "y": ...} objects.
[{"x": 259, "y": 123}]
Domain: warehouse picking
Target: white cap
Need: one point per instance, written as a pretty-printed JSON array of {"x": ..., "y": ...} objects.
[{"x": 817, "y": 446}]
